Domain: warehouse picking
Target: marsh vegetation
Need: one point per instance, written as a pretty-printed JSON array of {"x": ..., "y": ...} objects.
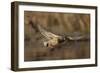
[{"x": 60, "y": 24}]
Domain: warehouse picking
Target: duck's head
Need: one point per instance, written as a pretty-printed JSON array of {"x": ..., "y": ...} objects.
[{"x": 61, "y": 40}]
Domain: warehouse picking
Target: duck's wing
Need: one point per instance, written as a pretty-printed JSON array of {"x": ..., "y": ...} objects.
[
  {"x": 48, "y": 35},
  {"x": 75, "y": 37},
  {"x": 78, "y": 36}
]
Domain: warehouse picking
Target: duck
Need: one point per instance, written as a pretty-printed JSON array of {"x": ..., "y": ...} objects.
[{"x": 54, "y": 40}]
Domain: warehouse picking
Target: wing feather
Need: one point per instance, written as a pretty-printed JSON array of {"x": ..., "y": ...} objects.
[
  {"x": 78, "y": 37},
  {"x": 47, "y": 34}
]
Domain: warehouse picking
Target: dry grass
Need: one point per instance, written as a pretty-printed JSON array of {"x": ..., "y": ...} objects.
[{"x": 58, "y": 23}]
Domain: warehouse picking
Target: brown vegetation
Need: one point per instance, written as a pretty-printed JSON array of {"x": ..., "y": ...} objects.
[{"x": 58, "y": 23}]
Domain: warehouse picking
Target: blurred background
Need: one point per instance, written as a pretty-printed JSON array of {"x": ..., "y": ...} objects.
[{"x": 60, "y": 24}]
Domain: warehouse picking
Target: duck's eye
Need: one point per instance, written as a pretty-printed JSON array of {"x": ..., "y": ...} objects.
[
  {"x": 61, "y": 40},
  {"x": 46, "y": 44}
]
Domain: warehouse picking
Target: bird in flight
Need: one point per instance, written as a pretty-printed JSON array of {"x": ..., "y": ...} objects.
[{"x": 53, "y": 40}]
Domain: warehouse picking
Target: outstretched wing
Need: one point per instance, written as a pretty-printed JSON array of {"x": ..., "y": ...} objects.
[
  {"x": 78, "y": 36},
  {"x": 70, "y": 36},
  {"x": 47, "y": 34},
  {"x": 75, "y": 37}
]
